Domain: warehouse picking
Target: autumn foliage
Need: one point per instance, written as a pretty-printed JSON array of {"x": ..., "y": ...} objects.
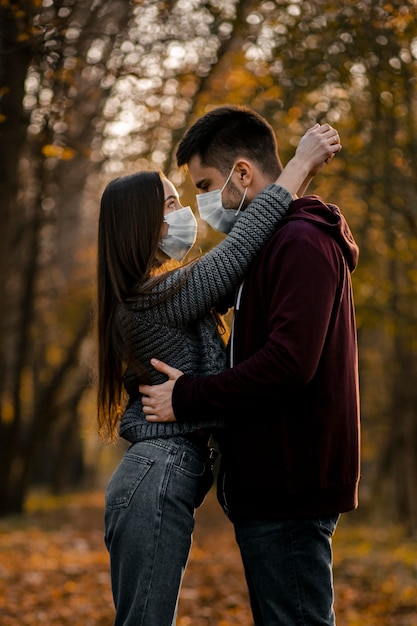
[{"x": 54, "y": 570}]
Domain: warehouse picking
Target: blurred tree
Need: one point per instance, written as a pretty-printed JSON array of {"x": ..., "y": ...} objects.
[{"x": 54, "y": 93}]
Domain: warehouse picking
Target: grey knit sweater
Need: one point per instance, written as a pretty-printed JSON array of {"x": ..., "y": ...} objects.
[{"x": 181, "y": 330}]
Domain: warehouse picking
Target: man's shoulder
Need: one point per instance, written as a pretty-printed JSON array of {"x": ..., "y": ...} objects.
[{"x": 295, "y": 237}]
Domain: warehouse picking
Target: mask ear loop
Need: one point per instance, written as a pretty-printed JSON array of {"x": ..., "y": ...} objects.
[
  {"x": 227, "y": 179},
  {"x": 242, "y": 201}
]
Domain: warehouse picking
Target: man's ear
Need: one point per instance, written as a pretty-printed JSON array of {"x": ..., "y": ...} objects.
[{"x": 245, "y": 171}]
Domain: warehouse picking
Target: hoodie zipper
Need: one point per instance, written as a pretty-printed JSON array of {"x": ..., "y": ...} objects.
[
  {"x": 232, "y": 334},
  {"x": 232, "y": 362}
]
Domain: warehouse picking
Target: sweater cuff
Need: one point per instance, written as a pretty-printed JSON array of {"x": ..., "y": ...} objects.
[{"x": 277, "y": 191}]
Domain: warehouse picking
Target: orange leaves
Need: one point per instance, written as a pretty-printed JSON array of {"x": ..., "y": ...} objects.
[{"x": 54, "y": 570}]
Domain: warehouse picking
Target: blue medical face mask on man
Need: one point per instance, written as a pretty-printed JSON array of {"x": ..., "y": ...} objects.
[
  {"x": 212, "y": 211},
  {"x": 181, "y": 235}
]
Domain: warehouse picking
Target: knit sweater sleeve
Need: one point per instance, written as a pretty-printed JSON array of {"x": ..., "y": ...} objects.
[{"x": 219, "y": 272}]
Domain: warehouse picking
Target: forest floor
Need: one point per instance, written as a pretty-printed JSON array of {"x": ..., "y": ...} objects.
[{"x": 54, "y": 570}]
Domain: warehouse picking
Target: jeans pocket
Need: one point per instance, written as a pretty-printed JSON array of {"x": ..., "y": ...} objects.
[
  {"x": 329, "y": 523},
  {"x": 206, "y": 483},
  {"x": 191, "y": 463},
  {"x": 125, "y": 480},
  {"x": 194, "y": 467}
]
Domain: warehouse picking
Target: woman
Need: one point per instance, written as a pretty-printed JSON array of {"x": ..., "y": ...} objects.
[{"x": 146, "y": 310}]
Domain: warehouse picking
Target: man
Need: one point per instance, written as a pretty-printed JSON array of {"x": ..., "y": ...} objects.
[{"x": 290, "y": 400}]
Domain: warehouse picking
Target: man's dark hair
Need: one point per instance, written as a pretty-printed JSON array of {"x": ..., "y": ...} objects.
[{"x": 226, "y": 132}]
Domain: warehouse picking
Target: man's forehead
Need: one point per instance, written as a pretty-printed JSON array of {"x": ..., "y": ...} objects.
[{"x": 202, "y": 174}]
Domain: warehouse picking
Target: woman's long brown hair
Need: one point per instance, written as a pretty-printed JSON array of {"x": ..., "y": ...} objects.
[{"x": 131, "y": 216}]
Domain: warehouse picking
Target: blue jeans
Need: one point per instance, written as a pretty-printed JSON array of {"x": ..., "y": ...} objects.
[
  {"x": 149, "y": 520},
  {"x": 288, "y": 569}
]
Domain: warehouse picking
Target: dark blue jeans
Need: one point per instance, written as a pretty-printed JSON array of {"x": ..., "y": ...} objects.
[
  {"x": 288, "y": 569},
  {"x": 149, "y": 520}
]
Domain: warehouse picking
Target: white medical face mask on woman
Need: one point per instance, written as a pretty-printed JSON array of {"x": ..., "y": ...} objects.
[
  {"x": 212, "y": 211},
  {"x": 181, "y": 235}
]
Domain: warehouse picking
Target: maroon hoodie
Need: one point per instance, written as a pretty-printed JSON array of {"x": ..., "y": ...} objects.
[{"x": 290, "y": 403}]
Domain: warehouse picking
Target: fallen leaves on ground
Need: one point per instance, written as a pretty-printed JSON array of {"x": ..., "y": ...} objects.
[{"x": 54, "y": 570}]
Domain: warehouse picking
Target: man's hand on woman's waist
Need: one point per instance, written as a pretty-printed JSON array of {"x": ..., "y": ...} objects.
[{"x": 157, "y": 399}]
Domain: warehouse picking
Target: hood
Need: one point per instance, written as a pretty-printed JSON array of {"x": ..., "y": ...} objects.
[{"x": 326, "y": 216}]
